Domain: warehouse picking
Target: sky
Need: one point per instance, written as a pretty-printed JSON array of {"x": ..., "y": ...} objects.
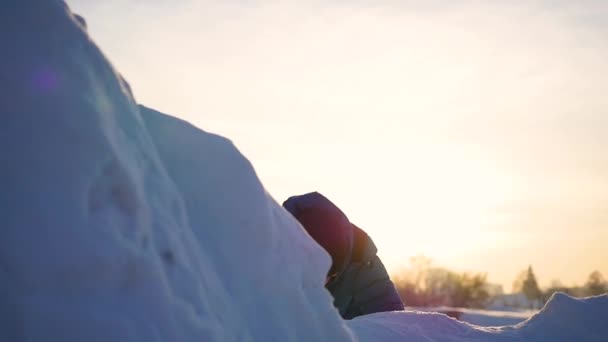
[{"x": 471, "y": 132}]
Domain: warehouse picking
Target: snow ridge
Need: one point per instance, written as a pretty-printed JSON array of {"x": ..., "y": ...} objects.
[
  {"x": 562, "y": 319},
  {"x": 99, "y": 243}
]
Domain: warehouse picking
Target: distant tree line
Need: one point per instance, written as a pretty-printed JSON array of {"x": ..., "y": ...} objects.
[
  {"x": 526, "y": 284},
  {"x": 426, "y": 285}
]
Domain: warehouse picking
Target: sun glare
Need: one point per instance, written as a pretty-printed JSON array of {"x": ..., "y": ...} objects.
[{"x": 439, "y": 201}]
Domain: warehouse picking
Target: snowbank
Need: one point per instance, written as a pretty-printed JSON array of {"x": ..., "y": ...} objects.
[
  {"x": 562, "y": 319},
  {"x": 109, "y": 234},
  {"x": 120, "y": 223}
]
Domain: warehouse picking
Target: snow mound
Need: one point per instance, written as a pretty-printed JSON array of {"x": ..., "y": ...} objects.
[
  {"x": 120, "y": 223},
  {"x": 271, "y": 273},
  {"x": 568, "y": 318},
  {"x": 562, "y": 319}
]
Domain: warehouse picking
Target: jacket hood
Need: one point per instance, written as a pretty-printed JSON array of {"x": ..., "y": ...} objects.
[
  {"x": 326, "y": 224},
  {"x": 364, "y": 249}
]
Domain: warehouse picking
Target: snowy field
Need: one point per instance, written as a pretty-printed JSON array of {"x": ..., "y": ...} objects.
[{"x": 120, "y": 223}]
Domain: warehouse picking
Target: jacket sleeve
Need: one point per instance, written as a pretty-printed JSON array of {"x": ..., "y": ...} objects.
[{"x": 374, "y": 291}]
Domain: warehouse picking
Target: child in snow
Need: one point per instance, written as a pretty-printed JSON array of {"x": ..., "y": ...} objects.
[{"x": 357, "y": 278}]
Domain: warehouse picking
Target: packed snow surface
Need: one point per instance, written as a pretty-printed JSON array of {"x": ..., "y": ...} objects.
[
  {"x": 562, "y": 319},
  {"x": 120, "y": 223}
]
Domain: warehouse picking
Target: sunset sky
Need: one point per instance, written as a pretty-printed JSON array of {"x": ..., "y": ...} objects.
[{"x": 472, "y": 132}]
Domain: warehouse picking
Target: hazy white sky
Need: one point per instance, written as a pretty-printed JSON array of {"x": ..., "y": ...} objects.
[{"x": 474, "y": 132}]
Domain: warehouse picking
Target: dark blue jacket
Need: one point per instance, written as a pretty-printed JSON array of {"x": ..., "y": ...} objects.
[
  {"x": 359, "y": 282},
  {"x": 364, "y": 287}
]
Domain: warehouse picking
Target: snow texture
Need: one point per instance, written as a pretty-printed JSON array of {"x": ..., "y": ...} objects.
[
  {"x": 120, "y": 223},
  {"x": 562, "y": 319},
  {"x": 123, "y": 224}
]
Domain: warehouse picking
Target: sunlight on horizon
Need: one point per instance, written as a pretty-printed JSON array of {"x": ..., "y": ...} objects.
[{"x": 474, "y": 134}]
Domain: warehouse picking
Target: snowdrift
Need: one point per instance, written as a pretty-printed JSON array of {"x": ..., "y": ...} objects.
[
  {"x": 562, "y": 319},
  {"x": 120, "y": 223}
]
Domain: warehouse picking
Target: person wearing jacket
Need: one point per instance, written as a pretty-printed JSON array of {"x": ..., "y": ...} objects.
[{"x": 357, "y": 278}]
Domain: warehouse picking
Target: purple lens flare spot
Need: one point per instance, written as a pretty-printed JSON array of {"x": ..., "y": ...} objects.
[{"x": 45, "y": 80}]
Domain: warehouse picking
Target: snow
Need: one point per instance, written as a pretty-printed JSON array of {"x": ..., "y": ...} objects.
[
  {"x": 485, "y": 318},
  {"x": 562, "y": 319},
  {"x": 123, "y": 224},
  {"x": 120, "y": 223}
]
